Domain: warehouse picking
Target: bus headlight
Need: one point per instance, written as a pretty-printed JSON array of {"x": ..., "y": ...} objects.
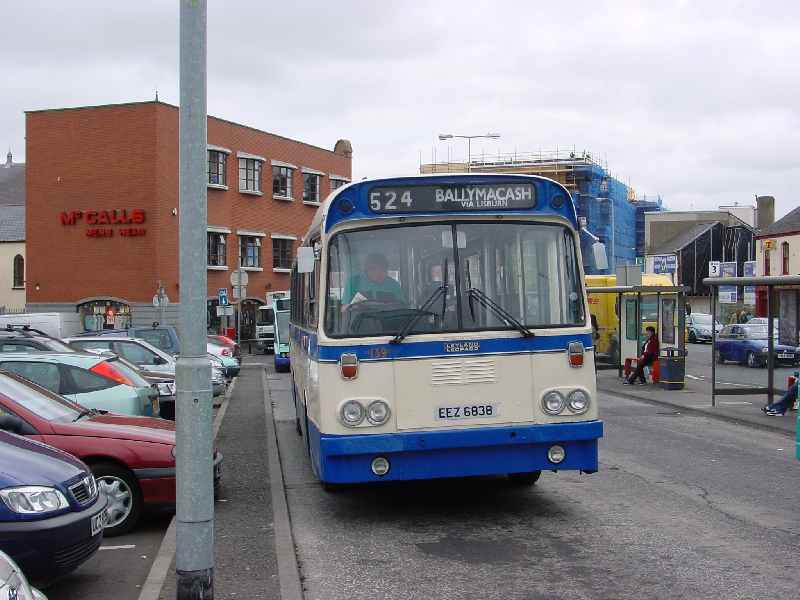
[
  {"x": 378, "y": 412},
  {"x": 553, "y": 403},
  {"x": 351, "y": 413},
  {"x": 578, "y": 401}
]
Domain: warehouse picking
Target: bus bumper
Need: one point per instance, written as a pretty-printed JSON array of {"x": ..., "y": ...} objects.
[{"x": 454, "y": 453}]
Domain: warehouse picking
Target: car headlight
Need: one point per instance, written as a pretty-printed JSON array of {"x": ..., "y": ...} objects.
[
  {"x": 765, "y": 349},
  {"x": 553, "y": 403},
  {"x": 578, "y": 401},
  {"x": 351, "y": 413},
  {"x": 33, "y": 499},
  {"x": 378, "y": 412},
  {"x": 172, "y": 451}
]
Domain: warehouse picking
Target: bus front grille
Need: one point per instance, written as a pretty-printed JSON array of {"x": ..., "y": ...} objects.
[{"x": 463, "y": 372}]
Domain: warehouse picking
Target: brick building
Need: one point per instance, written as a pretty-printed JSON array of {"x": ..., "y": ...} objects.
[{"x": 102, "y": 209}]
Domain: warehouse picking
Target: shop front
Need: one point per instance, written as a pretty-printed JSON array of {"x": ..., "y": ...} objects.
[{"x": 104, "y": 313}]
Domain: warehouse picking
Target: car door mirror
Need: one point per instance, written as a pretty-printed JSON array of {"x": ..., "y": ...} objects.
[{"x": 13, "y": 424}]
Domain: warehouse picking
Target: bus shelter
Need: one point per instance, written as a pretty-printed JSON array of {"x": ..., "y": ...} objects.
[
  {"x": 668, "y": 317},
  {"x": 787, "y": 287}
]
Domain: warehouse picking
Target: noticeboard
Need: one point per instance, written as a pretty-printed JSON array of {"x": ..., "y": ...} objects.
[{"x": 728, "y": 293}]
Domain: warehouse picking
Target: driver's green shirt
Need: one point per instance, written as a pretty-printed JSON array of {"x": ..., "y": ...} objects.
[{"x": 387, "y": 290}]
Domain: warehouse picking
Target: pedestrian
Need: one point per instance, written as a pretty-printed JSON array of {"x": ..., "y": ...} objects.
[
  {"x": 778, "y": 409},
  {"x": 648, "y": 357}
]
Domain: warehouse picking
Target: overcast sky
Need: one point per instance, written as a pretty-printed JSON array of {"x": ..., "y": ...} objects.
[{"x": 696, "y": 101}]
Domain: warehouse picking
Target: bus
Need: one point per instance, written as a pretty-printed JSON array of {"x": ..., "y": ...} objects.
[
  {"x": 265, "y": 322},
  {"x": 281, "y": 310},
  {"x": 440, "y": 328}
]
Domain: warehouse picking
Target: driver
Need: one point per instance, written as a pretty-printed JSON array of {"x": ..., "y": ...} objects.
[{"x": 374, "y": 284}]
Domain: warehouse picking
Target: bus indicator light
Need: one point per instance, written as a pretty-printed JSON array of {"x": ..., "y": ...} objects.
[
  {"x": 380, "y": 466},
  {"x": 575, "y": 352},
  {"x": 348, "y": 363}
]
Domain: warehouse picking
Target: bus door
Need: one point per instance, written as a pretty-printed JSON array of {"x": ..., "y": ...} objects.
[{"x": 629, "y": 315}]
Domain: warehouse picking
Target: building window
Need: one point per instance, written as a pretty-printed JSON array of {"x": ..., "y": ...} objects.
[
  {"x": 282, "y": 253},
  {"x": 217, "y": 163},
  {"x": 19, "y": 271},
  {"x": 216, "y": 249},
  {"x": 337, "y": 183},
  {"x": 249, "y": 175},
  {"x": 310, "y": 187},
  {"x": 282, "y": 181},
  {"x": 785, "y": 257},
  {"x": 250, "y": 251},
  {"x": 766, "y": 261}
]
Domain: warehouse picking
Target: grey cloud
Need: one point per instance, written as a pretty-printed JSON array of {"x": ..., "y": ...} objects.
[{"x": 695, "y": 101}]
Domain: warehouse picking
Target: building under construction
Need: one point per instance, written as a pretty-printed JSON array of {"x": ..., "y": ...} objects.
[{"x": 604, "y": 201}]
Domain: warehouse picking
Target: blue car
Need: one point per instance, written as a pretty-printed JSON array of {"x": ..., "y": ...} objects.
[
  {"x": 747, "y": 344},
  {"x": 51, "y": 514}
]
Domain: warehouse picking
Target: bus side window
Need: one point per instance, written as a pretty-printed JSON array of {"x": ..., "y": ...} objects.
[{"x": 630, "y": 319}]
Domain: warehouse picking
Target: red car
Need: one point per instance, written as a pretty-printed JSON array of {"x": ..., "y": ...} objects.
[{"x": 132, "y": 458}]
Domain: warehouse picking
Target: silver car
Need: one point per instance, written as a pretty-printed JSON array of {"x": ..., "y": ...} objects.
[
  {"x": 144, "y": 355},
  {"x": 89, "y": 379}
]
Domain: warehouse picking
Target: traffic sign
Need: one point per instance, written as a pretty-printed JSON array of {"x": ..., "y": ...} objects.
[
  {"x": 222, "y": 296},
  {"x": 239, "y": 278},
  {"x": 239, "y": 291}
]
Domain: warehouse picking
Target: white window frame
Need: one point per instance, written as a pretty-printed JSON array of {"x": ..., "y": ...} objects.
[{"x": 245, "y": 156}]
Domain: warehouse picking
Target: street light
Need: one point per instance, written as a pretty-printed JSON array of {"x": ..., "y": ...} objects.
[{"x": 469, "y": 138}]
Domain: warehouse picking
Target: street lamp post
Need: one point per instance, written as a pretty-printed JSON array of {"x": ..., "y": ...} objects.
[{"x": 469, "y": 138}]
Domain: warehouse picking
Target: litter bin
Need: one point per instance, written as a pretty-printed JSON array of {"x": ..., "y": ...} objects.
[{"x": 673, "y": 369}]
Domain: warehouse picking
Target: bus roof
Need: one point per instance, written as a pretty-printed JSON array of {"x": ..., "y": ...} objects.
[{"x": 469, "y": 193}]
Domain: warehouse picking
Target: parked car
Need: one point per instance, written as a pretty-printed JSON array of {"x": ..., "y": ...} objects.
[
  {"x": 164, "y": 383},
  {"x": 51, "y": 515},
  {"x": 24, "y": 339},
  {"x": 163, "y": 337},
  {"x": 92, "y": 380},
  {"x": 142, "y": 354},
  {"x": 224, "y": 340},
  {"x": 132, "y": 458},
  {"x": 747, "y": 344},
  {"x": 698, "y": 326},
  {"x": 13, "y": 583},
  {"x": 230, "y": 364}
]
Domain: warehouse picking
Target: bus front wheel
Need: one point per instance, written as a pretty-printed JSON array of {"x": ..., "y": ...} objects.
[{"x": 524, "y": 478}]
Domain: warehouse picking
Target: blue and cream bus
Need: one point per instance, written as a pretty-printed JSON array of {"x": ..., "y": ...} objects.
[{"x": 440, "y": 328}]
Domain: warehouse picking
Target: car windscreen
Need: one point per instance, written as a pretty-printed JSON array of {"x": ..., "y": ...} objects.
[
  {"x": 159, "y": 338},
  {"x": 701, "y": 319},
  {"x": 282, "y": 318},
  {"x": 756, "y": 333},
  {"x": 37, "y": 399}
]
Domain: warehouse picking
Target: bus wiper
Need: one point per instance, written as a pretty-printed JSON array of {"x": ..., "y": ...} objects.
[
  {"x": 422, "y": 310},
  {"x": 503, "y": 314}
]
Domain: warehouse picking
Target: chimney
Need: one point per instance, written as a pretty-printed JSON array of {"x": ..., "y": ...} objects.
[
  {"x": 765, "y": 211},
  {"x": 9, "y": 158}
]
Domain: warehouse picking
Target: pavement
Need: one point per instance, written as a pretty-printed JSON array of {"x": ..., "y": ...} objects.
[
  {"x": 696, "y": 398},
  {"x": 244, "y": 540}
]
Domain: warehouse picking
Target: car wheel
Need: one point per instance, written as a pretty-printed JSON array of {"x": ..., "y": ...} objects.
[
  {"x": 692, "y": 337},
  {"x": 752, "y": 361},
  {"x": 124, "y": 497},
  {"x": 524, "y": 479}
]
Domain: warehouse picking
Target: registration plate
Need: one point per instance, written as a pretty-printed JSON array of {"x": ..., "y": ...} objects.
[
  {"x": 98, "y": 522},
  {"x": 785, "y": 355},
  {"x": 466, "y": 411}
]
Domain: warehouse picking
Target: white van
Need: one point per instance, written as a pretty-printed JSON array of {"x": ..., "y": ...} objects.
[{"x": 57, "y": 325}]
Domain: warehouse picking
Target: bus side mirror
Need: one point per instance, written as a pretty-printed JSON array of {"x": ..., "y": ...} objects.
[
  {"x": 305, "y": 259},
  {"x": 599, "y": 255}
]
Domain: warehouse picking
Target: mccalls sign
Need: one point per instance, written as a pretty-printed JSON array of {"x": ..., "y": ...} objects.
[{"x": 99, "y": 222}]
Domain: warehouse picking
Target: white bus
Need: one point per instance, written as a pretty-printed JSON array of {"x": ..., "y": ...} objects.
[
  {"x": 440, "y": 329},
  {"x": 265, "y": 322}
]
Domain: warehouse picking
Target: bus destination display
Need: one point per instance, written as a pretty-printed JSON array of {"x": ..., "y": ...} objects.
[{"x": 442, "y": 198}]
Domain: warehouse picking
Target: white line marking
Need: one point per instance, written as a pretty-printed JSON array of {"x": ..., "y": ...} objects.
[
  {"x": 735, "y": 402},
  {"x": 693, "y": 377},
  {"x": 123, "y": 547},
  {"x": 736, "y": 384}
]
